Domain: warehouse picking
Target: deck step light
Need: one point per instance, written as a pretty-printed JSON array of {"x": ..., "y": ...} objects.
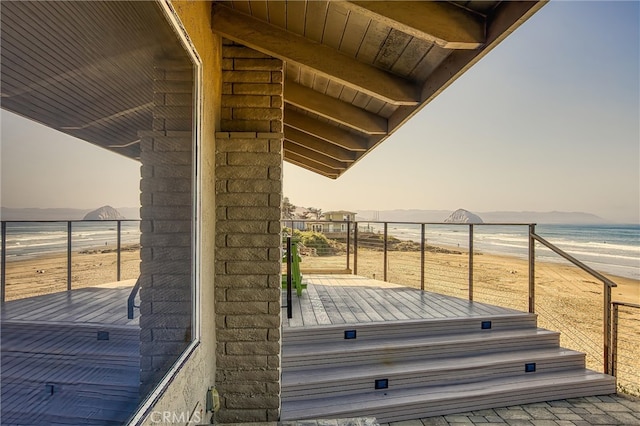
[
  {"x": 103, "y": 335},
  {"x": 50, "y": 388},
  {"x": 486, "y": 325},
  {"x": 382, "y": 383},
  {"x": 530, "y": 367},
  {"x": 349, "y": 334}
]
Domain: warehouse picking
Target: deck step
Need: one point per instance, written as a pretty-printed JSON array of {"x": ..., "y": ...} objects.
[
  {"x": 409, "y": 328},
  {"x": 69, "y": 373},
  {"x": 390, "y": 405},
  {"x": 385, "y": 351},
  {"x": 70, "y": 339},
  {"x": 349, "y": 380}
]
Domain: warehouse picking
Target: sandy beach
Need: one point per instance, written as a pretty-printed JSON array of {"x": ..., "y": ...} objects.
[{"x": 48, "y": 274}]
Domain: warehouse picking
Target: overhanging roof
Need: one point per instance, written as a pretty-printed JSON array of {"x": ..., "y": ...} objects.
[{"x": 355, "y": 71}]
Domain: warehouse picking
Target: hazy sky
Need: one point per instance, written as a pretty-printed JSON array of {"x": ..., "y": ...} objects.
[{"x": 548, "y": 120}]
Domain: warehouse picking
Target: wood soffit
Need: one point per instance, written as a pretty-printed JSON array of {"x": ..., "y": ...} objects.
[{"x": 354, "y": 71}]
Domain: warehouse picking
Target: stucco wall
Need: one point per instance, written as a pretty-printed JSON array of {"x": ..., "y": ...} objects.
[{"x": 187, "y": 392}]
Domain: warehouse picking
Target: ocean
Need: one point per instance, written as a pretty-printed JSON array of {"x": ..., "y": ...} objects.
[
  {"x": 613, "y": 249},
  {"x": 32, "y": 239}
]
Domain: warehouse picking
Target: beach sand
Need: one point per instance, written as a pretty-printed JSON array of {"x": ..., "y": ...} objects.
[
  {"x": 567, "y": 299},
  {"x": 48, "y": 274}
]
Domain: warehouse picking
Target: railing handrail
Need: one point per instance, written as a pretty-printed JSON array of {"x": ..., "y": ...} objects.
[
  {"x": 69, "y": 220},
  {"x": 285, "y": 221},
  {"x": 131, "y": 299},
  {"x": 627, "y": 304},
  {"x": 573, "y": 260}
]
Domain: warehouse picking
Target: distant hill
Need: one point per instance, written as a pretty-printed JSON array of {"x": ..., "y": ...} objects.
[
  {"x": 414, "y": 215},
  {"x": 463, "y": 216},
  {"x": 8, "y": 213},
  {"x": 103, "y": 213}
]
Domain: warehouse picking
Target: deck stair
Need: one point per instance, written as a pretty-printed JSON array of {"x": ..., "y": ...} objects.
[
  {"x": 428, "y": 367},
  {"x": 69, "y": 373}
]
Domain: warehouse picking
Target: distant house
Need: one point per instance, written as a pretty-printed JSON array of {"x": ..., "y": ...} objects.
[{"x": 335, "y": 221}]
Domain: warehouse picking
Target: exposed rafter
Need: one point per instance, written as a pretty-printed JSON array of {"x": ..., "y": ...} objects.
[
  {"x": 322, "y": 59},
  {"x": 325, "y": 131},
  {"x": 319, "y": 145},
  {"x": 314, "y": 155},
  {"x": 308, "y": 164},
  {"x": 334, "y": 109},
  {"x": 506, "y": 18},
  {"x": 442, "y": 23}
]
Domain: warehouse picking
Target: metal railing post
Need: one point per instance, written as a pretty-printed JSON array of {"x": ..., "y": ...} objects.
[
  {"x": 132, "y": 298},
  {"x": 614, "y": 340},
  {"x": 119, "y": 227},
  {"x": 422, "y": 247},
  {"x": 69, "y": 256},
  {"x": 607, "y": 328},
  {"x": 4, "y": 263},
  {"x": 471, "y": 262},
  {"x": 385, "y": 252},
  {"x": 348, "y": 242},
  {"x": 532, "y": 269},
  {"x": 289, "y": 280},
  {"x": 355, "y": 248}
]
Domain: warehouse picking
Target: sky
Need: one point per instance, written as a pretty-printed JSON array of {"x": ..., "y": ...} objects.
[{"x": 549, "y": 120}]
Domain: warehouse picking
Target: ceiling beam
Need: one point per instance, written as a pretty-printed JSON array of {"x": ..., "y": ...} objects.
[
  {"x": 322, "y": 59},
  {"x": 314, "y": 155},
  {"x": 329, "y": 133},
  {"x": 334, "y": 109},
  {"x": 442, "y": 23},
  {"x": 305, "y": 163},
  {"x": 508, "y": 16},
  {"x": 319, "y": 145}
]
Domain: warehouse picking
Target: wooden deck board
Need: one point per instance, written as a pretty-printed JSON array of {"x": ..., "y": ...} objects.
[
  {"x": 350, "y": 299},
  {"x": 85, "y": 305},
  {"x": 320, "y": 314}
]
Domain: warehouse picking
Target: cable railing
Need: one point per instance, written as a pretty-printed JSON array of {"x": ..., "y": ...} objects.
[
  {"x": 44, "y": 239},
  {"x": 624, "y": 348},
  {"x": 452, "y": 259}
]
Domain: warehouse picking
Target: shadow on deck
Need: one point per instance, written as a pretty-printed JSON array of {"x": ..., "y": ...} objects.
[{"x": 70, "y": 358}]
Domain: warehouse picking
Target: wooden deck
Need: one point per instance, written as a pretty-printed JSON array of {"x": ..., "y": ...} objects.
[
  {"x": 70, "y": 358},
  {"x": 106, "y": 304},
  {"x": 351, "y": 299}
]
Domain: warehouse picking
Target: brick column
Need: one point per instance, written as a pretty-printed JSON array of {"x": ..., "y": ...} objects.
[
  {"x": 166, "y": 235},
  {"x": 248, "y": 242}
]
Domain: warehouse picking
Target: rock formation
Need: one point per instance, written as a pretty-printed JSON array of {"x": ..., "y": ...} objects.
[
  {"x": 104, "y": 213},
  {"x": 463, "y": 216}
]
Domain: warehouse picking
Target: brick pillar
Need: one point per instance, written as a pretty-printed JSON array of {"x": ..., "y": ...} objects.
[
  {"x": 248, "y": 241},
  {"x": 166, "y": 213}
]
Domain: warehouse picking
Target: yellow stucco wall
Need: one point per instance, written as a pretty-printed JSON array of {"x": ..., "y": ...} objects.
[{"x": 187, "y": 391}]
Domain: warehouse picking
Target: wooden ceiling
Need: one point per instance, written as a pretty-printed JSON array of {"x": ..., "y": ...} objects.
[
  {"x": 355, "y": 71},
  {"x": 85, "y": 68}
]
